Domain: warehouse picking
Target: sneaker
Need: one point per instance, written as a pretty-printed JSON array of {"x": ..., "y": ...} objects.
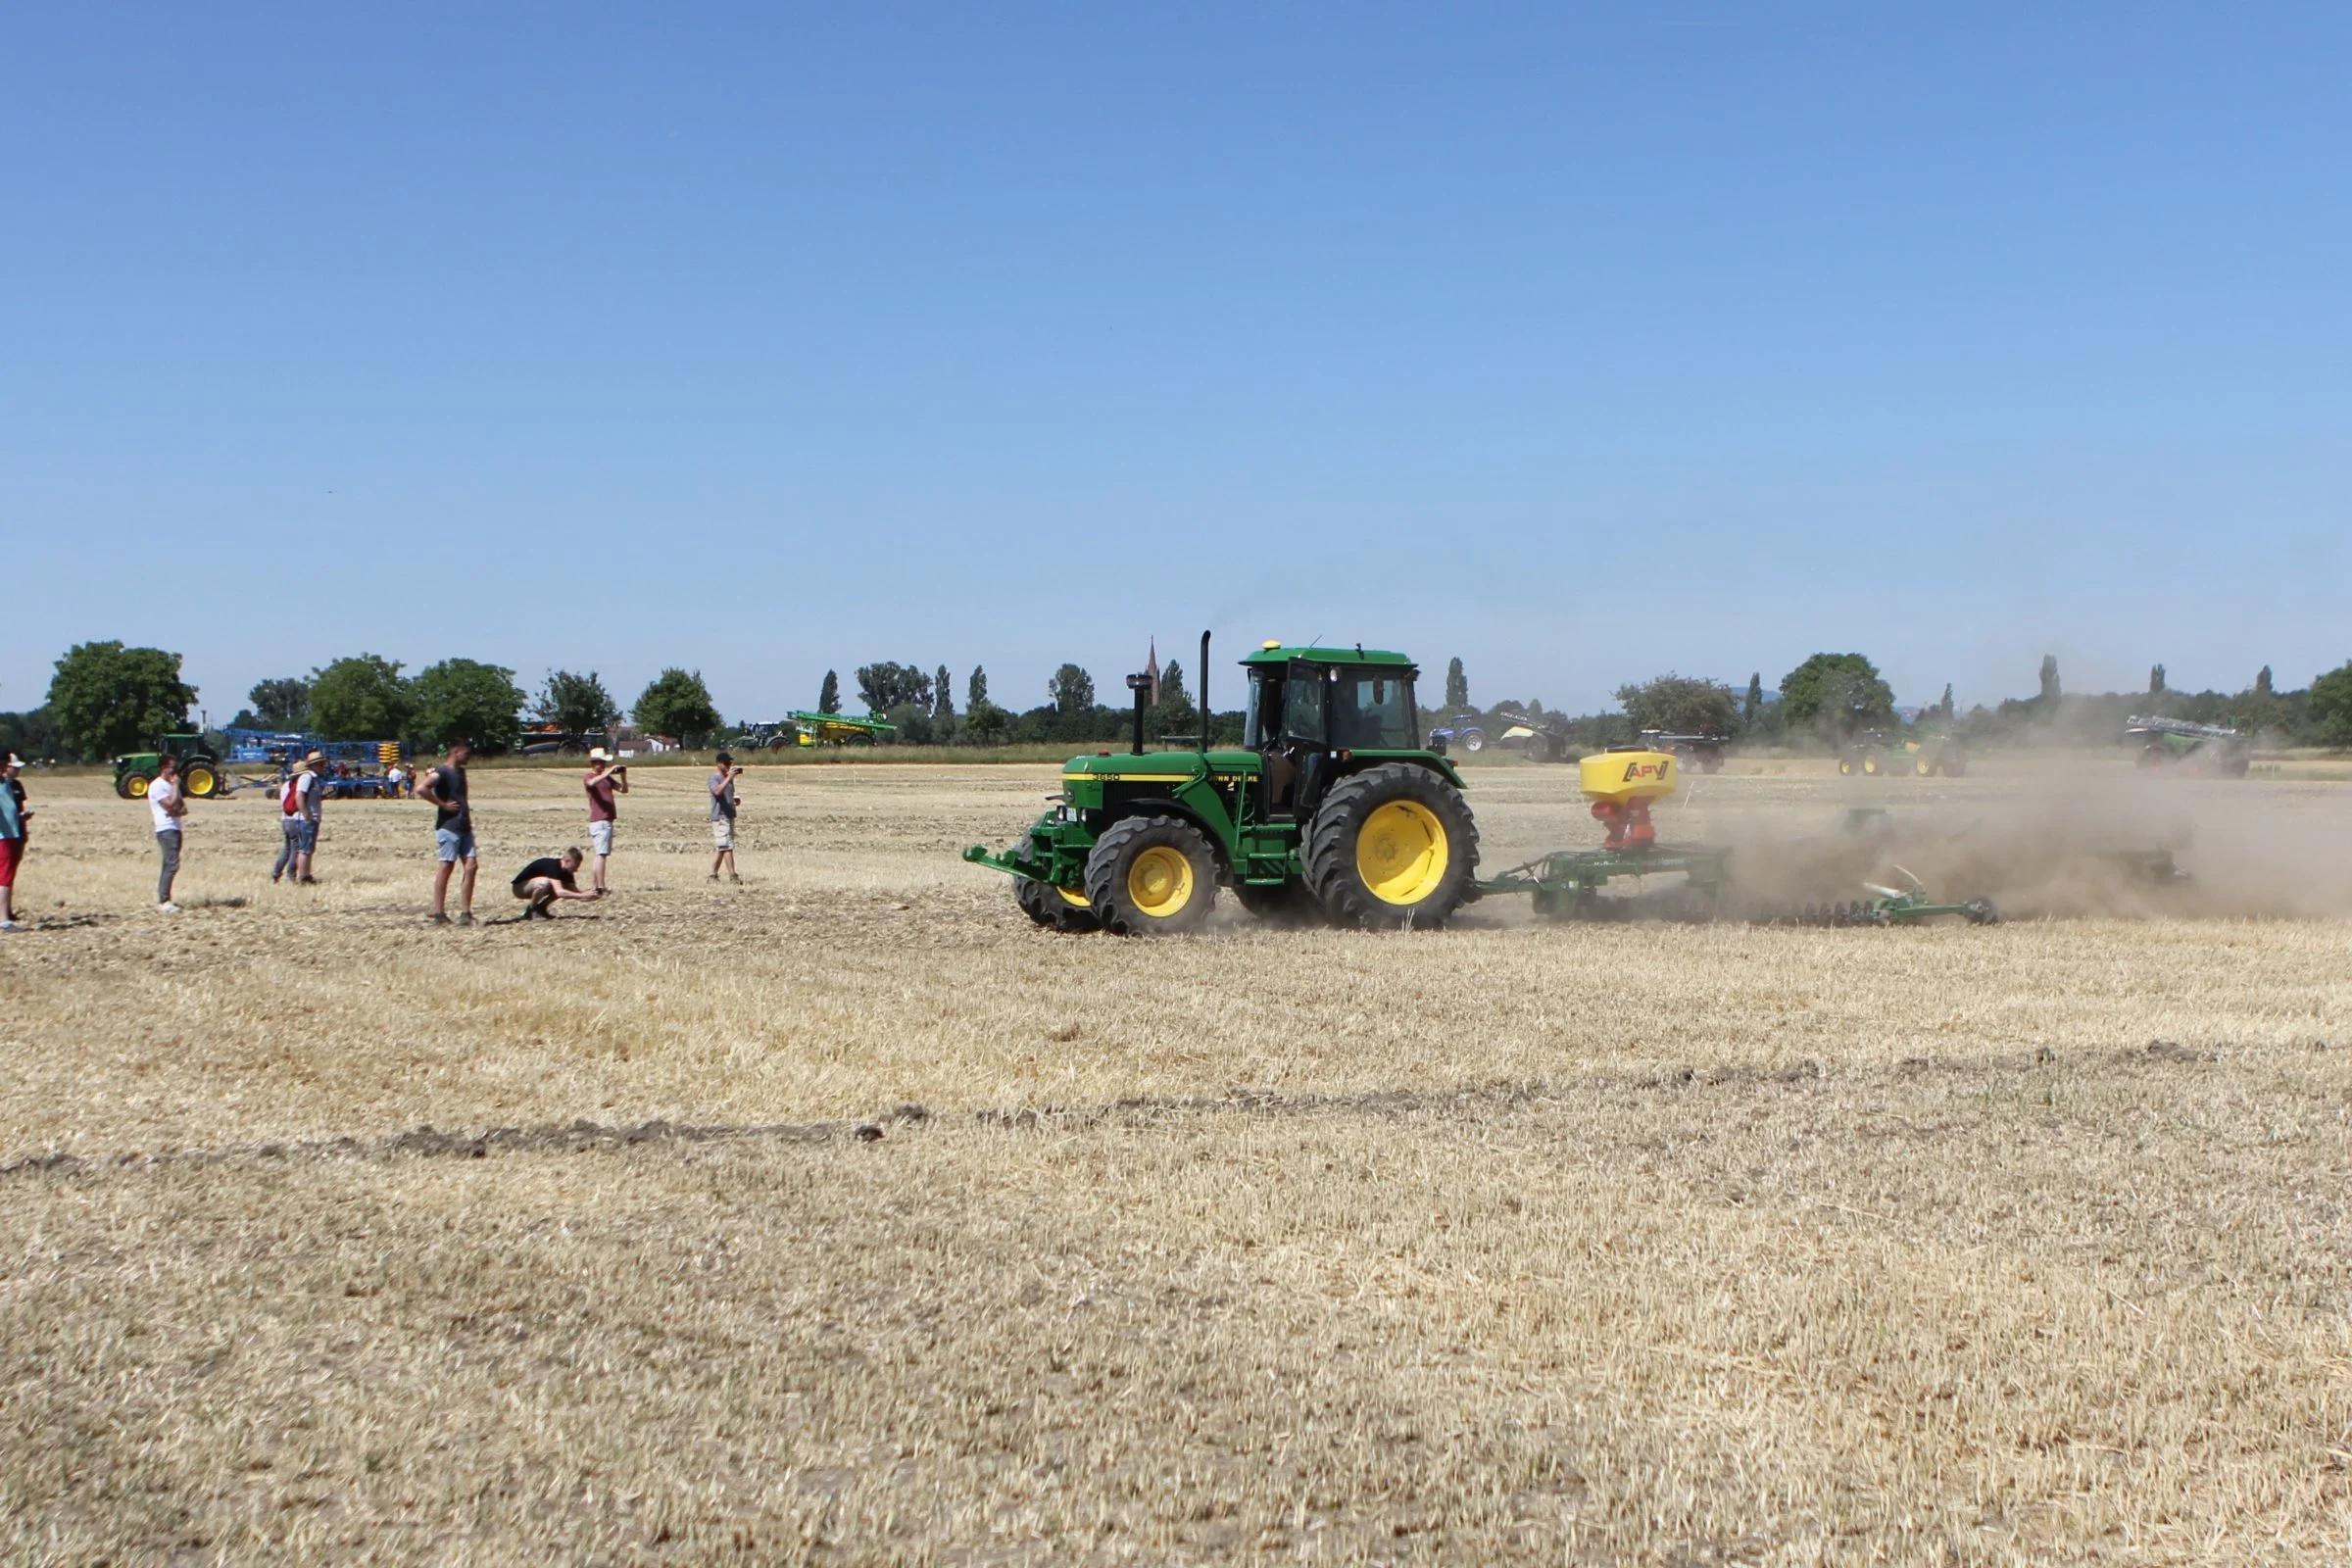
[
  {"x": 436, "y": 919},
  {"x": 732, "y": 877},
  {"x": 714, "y": 876},
  {"x": 9, "y": 925},
  {"x": 167, "y": 908},
  {"x": 310, "y": 881},
  {"x": 274, "y": 878},
  {"x": 466, "y": 918}
]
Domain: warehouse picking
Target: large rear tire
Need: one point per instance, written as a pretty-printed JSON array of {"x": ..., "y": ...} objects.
[
  {"x": 1924, "y": 764},
  {"x": 1152, "y": 876},
  {"x": 200, "y": 781},
  {"x": 1053, "y": 908},
  {"x": 1392, "y": 845},
  {"x": 1953, "y": 763},
  {"x": 1873, "y": 763}
]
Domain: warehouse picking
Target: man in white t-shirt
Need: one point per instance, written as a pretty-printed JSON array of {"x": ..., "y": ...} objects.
[{"x": 165, "y": 800}]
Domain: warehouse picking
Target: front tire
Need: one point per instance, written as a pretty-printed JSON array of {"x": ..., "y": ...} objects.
[
  {"x": 134, "y": 786},
  {"x": 1152, "y": 876},
  {"x": 1391, "y": 847},
  {"x": 1474, "y": 740},
  {"x": 1054, "y": 908},
  {"x": 200, "y": 781},
  {"x": 1873, "y": 763}
]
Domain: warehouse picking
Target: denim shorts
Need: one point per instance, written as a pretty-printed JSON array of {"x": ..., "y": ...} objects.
[
  {"x": 455, "y": 846},
  {"x": 306, "y": 835}
]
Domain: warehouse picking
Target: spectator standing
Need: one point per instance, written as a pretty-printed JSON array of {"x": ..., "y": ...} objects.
[
  {"x": 168, "y": 806},
  {"x": 722, "y": 816},
  {"x": 453, "y": 832},
  {"x": 603, "y": 779},
  {"x": 14, "y": 818},
  {"x": 301, "y": 802}
]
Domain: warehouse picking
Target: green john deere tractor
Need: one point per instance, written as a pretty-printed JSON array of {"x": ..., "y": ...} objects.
[
  {"x": 1331, "y": 809},
  {"x": 199, "y": 770}
]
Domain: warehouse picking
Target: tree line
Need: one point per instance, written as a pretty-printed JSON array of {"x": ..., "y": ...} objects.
[
  {"x": 106, "y": 698},
  {"x": 1830, "y": 697},
  {"x": 922, "y": 706}
]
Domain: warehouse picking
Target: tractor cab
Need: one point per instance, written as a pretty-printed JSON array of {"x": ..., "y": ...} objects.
[{"x": 1313, "y": 711}]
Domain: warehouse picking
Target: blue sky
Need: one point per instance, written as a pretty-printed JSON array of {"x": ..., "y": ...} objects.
[{"x": 1584, "y": 342}]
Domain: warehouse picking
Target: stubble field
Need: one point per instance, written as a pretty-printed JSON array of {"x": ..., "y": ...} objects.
[{"x": 328, "y": 1235}]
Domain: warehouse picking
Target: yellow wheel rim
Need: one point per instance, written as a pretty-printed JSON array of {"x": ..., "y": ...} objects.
[
  {"x": 1844, "y": 767},
  {"x": 1159, "y": 881},
  {"x": 1870, "y": 764},
  {"x": 200, "y": 782},
  {"x": 1077, "y": 899},
  {"x": 1402, "y": 853},
  {"x": 138, "y": 787},
  {"x": 1923, "y": 766}
]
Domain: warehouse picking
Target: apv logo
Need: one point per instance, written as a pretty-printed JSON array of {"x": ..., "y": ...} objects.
[{"x": 1657, "y": 770}]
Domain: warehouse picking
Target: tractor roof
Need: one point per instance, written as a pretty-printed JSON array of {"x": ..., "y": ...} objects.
[{"x": 1281, "y": 653}]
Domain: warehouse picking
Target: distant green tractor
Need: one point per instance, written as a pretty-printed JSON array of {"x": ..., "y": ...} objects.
[
  {"x": 1877, "y": 752},
  {"x": 199, "y": 770},
  {"x": 1330, "y": 809}
]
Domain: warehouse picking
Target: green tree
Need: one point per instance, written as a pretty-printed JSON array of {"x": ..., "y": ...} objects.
[
  {"x": 463, "y": 699},
  {"x": 360, "y": 698},
  {"x": 986, "y": 724},
  {"x": 281, "y": 704},
  {"x": 828, "y": 696},
  {"x": 1457, "y": 687},
  {"x": 32, "y": 735},
  {"x": 1837, "y": 694},
  {"x": 2155, "y": 680},
  {"x": 676, "y": 704},
  {"x": 888, "y": 685},
  {"x": 108, "y": 699},
  {"x": 2050, "y": 691},
  {"x": 2330, "y": 706},
  {"x": 1174, "y": 712},
  {"x": 975, "y": 691},
  {"x": 2262, "y": 683},
  {"x": 1751, "y": 711},
  {"x": 578, "y": 704},
  {"x": 943, "y": 695},
  {"x": 1944, "y": 708},
  {"x": 1072, "y": 691},
  {"x": 1679, "y": 704}
]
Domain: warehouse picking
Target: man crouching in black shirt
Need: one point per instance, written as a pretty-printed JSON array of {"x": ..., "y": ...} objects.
[{"x": 547, "y": 879}]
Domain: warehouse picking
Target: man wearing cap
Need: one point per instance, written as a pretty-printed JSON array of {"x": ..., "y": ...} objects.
[
  {"x": 301, "y": 802},
  {"x": 604, "y": 778}
]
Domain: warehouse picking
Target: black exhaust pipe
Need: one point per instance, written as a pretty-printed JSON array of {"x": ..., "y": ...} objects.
[{"x": 1204, "y": 694}]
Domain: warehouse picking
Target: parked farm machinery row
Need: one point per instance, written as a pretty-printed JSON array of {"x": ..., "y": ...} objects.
[{"x": 798, "y": 729}]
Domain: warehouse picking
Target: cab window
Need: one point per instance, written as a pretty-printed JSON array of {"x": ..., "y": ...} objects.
[
  {"x": 1372, "y": 712},
  {"x": 1264, "y": 725}
]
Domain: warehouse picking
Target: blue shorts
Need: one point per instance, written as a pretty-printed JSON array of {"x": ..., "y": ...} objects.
[
  {"x": 307, "y": 835},
  {"x": 455, "y": 846}
]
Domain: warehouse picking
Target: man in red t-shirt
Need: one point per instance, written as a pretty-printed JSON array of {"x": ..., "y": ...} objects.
[{"x": 603, "y": 779}]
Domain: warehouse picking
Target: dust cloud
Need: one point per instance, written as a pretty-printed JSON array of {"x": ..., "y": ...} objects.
[{"x": 2053, "y": 840}]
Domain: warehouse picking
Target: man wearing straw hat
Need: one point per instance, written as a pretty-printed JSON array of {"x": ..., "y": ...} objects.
[
  {"x": 604, "y": 778},
  {"x": 300, "y": 800}
]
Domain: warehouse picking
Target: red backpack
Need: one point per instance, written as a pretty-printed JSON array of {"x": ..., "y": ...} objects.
[{"x": 290, "y": 801}]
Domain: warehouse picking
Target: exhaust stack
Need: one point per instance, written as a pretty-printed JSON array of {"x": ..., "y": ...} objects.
[{"x": 1204, "y": 694}]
